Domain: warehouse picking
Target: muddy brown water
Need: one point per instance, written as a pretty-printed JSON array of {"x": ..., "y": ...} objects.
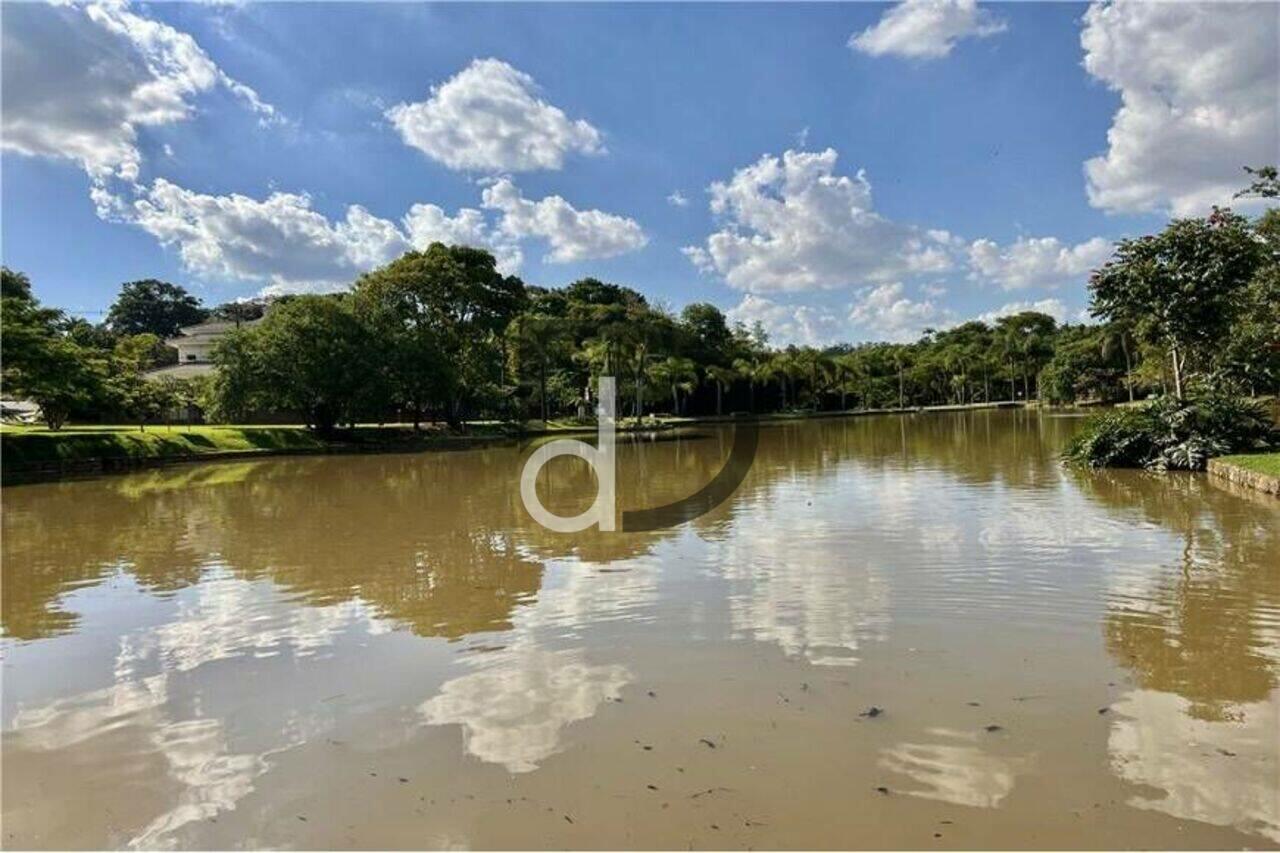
[{"x": 386, "y": 652}]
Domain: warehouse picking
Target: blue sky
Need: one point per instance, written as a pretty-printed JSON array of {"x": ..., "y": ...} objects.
[{"x": 931, "y": 171}]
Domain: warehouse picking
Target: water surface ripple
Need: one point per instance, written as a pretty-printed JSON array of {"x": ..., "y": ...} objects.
[{"x": 899, "y": 632}]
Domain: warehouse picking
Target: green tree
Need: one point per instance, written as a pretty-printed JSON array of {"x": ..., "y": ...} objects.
[
  {"x": 709, "y": 336},
  {"x": 1026, "y": 341},
  {"x": 241, "y": 311},
  {"x": 1266, "y": 183},
  {"x": 310, "y": 355},
  {"x": 723, "y": 377},
  {"x": 41, "y": 361},
  {"x": 1119, "y": 336},
  {"x": 448, "y": 305},
  {"x": 755, "y": 370},
  {"x": 132, "y": 393},
  {"x": 679, "y": 374},
  {"x": 155, "y": 307},
  {"x": 1180, "y": 287},
  {"x": 15, "y": 285},
  {"x": 537, "y": 339}
]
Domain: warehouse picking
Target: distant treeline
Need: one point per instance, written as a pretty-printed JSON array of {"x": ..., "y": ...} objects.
[{"x": 442, "y": 335}]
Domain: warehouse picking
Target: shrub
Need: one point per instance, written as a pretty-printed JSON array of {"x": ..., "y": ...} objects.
[{"x": 1171, "y": 434}]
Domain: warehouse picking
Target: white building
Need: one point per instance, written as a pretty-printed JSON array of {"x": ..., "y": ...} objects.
[{"x": 195, "y": 348}]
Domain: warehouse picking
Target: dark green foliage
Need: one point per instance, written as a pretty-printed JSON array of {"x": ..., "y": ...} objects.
[
  {"x": 240, "y": 312},
  {"x": 309, "y": 355},
  {"x": 155, "y": 307},
  {"x": 441, "y": 334},
  {"x": 42, "y": 362},
  {"x": 438, "y": 317},
  {"x": 1266, "y": 183},
  {"x": 1172, "y": 434},
  {"x": 14, "y": 285},
  {"x": 1181, "y": 288}
]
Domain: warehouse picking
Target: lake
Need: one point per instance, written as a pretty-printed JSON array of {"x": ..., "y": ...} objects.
[{"x": 900, "y": 631}]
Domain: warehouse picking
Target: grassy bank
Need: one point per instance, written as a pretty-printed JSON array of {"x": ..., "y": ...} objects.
[
  {"x": 23, "y": 445},
  {"x": 1260, "y": 471},
  {"x": 1260, "y": 463},
  {"x": 34, "y": 452}
]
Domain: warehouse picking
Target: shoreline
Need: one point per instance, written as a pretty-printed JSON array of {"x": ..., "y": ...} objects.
[
  {"x": 1248, "y": 471},
  {"x": 73, "y": 453}
]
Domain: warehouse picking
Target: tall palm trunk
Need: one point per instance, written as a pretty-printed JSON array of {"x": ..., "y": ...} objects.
[
  {"x": 542, "y": 388},
  {"x": 1128, "y": 366},
  {"x": 639, "y": 406},
  {"x": 1177, "y": 372}
]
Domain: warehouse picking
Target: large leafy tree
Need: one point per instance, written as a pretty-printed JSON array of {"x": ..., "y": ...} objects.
[
  {"x": 710, "y": 341},
  {"x": 134, "y": 394},
  {"x": 445, "y": 310},
  {"x": 154, "y": 307},
  {"x": 309, "y": 355},
  {"x": 41, "y": 361},
  {"x": 1180, "y": 288}
]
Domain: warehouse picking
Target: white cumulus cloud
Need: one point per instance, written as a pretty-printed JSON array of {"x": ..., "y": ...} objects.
[
  {"x": 791, "y": 224},
  {"x": 926, "y": 29},
  {"x": 807, "y": 325},
  {"x": 573, "y": 235},
  {"x": 425, "y": 224},
  {"x": 881, "y": 313},
  {"x": 1198, "y": 84},
  {"x": 885, "y": 312},
  {"x": 1036, "y": 261},
  {"x": 488, "y": 117},
  {"x": 81, "y": 80},
  {"x": 283, "y": 243}
]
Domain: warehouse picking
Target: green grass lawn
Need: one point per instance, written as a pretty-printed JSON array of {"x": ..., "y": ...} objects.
[
  {"x": 36, "y": 444},
  {"x": 23, "y": 445},
  {"x": 1263, "y": 463}
]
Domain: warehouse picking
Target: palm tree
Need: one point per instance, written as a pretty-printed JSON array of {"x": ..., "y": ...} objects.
[
  {"x": 780, "y": 366},
  {"x": 679, "y": 374},
  {"x": 815, "y": 366},
  {"x": 901, "y": 356},
  {"x": 723, "y": 377},
  {"x": 844, "y": 367},
  {"x": 538, "y": 338},
  {"x": 1116, "y": 334},
  {"x": 755, "y": 371},
  {"x": 638, "y": 357},
  {"x": 601, "y": 354}
]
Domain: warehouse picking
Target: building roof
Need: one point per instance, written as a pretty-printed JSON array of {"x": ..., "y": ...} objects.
[{"x": 206, "y": 332}]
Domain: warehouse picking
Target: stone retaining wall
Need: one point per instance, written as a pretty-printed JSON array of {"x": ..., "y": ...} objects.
[{"x": 1244, "y": 477}]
